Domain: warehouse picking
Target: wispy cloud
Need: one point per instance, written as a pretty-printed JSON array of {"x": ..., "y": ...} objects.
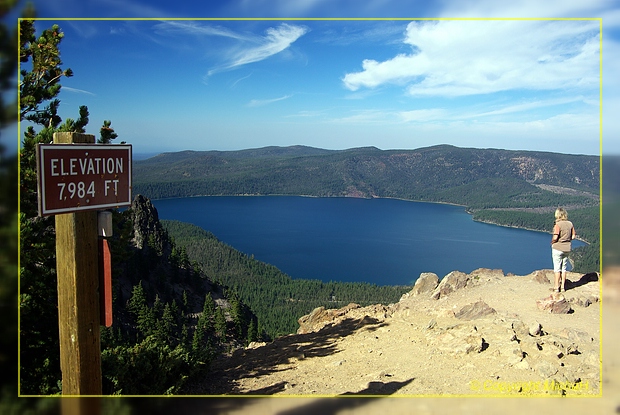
[
  {"x": 383, "y": 32},
  {"x": 84, "y": 31},
  {"x": 239, "y": 80},
  {"x": 459, "y": 115},
  {"x": 457, "y": 58},
  {"x": 263, "y": 102},
  {"x": 528, "y": 106},
  {"x": 309, "y": 114},
  {"x": 243, "y": 48},
  {"x": 77, "y": 91},
  {"x": 276, "y": 40},
  {"x": 368, "y": 117},
  {"x": 198, "y": 28},
  {"x": 423, "y": 115}
]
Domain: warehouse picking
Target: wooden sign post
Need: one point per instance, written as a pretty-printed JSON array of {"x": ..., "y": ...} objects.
[
  {"x": 76, "y": 178},
  {"x": 77, "y": 267}
]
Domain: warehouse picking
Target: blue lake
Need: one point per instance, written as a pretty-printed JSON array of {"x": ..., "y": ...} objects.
[{"x": 381, "y": 241}]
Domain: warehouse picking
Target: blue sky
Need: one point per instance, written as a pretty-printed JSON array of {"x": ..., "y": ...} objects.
[{"x": 175, "y": 82}]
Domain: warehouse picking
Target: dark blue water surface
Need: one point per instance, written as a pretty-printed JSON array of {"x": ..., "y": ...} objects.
[{"x": 381, "y": 241}]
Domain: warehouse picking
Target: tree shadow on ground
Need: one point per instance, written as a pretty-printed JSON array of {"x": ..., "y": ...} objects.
[
  {"x": 583, "y": 280},
  {"x": 348, "y": 400},
  {"x": 377, "y": 388},
  {"x": 276, "y": 356}
]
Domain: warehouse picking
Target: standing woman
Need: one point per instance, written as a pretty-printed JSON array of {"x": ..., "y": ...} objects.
[{"x": 563, "y": 234}]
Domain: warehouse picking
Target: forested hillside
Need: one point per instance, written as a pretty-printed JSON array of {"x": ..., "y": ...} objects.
[
  {"x": 479, "y": 178},
  {"x": 169, "y": 320}
]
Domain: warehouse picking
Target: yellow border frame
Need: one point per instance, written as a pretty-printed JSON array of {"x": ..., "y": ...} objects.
[{"x": 600, "y": 20}]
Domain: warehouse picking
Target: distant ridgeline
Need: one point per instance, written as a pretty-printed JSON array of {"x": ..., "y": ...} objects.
[{"x": 504, "y": 187}]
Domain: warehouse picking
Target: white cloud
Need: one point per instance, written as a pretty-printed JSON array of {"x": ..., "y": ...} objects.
[
  {"x": 457, "y": 58},
  {"x": 367, "y": 117},
  {"x": 526, "y": 8},
  {"x": 248, "y": 48},
  {"x": 77, "y": 91},
  {"x": 197, "y": 28},
  {"x": 275, "y": 41},
  {"x": 527, "y": 106},
  {"x": 234, "y": 84},
  {"x": 263, "y": 102},
  {"x": 423, "y": 115}
]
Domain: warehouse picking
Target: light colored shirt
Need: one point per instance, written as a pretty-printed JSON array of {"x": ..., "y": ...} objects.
[{"x": 565, "y": 233}]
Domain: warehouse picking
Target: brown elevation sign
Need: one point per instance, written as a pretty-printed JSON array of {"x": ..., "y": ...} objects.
[{"x": 78, "y": 177}]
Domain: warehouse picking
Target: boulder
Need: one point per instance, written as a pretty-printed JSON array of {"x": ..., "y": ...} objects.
[
  {"x": 321, "y": 317},
  {"x": 475, "y": 310},
  {"x": 541, "y": 277},
  {"x": 535, "y": 329},
  {"x": 427, "y": 282},
  {"x": 520, "y": 329},
  {"x": 555, "y": 304},
  {"x": 450, "y": 283}
]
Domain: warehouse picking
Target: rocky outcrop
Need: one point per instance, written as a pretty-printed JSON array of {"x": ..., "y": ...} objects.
[
  {"x": 475, "y": 310},
  {"x": 321, "y": 317},
  {"x": 450, "y": 283},
  {"x": 148, "y": 232},
  {"x": 458, "y": 326},
  {"x": 541, "y": 277},
  {"x": 555, "y": 303},
  {"x": 427, "y": 282}
]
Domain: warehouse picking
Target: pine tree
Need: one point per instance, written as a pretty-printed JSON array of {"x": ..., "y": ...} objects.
[
  {"x": 168, "y": 326},
  {"x": 106, "y": 133},
  {"x": 185, "y": 303},
  {"x": 185, "y": 337},
  {"x": 42, "y": 83},
  {"x": 204, "y": 327},
  {"x": 184, "y": 259},
  {"x": 252, "y": 332},
  {"x": 176, "y": 312},
  {"x": 220, "y": 323},
  {"x": 158, "y": 307},
  {"x": 208, "y": 311},
  {"x": 144, "y": 315},
  {"x": 39, "y": 85},
  {"x": 236, "y": 314}
]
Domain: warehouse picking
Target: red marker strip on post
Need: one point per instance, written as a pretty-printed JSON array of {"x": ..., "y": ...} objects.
[{"x": 105, "y": 268}]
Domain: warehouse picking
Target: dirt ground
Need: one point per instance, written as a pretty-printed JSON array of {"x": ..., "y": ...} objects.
[{"x": 413, "y": 352}]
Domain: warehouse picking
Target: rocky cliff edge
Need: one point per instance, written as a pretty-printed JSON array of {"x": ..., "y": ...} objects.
[{"x": 483, "y": 333}]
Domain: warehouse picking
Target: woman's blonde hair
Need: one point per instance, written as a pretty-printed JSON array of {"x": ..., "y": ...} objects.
[{"x": 561, "y": 214}]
